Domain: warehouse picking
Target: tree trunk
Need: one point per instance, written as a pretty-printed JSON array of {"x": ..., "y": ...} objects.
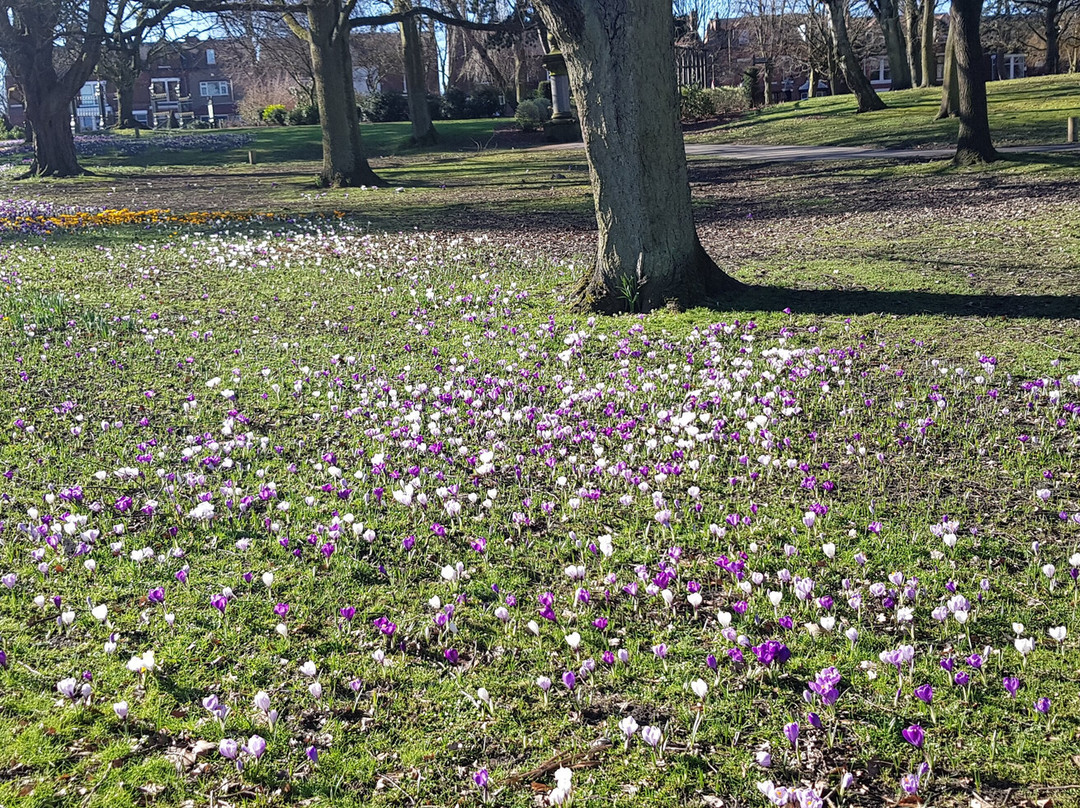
[
  {"x": 412, "y": 54},
  {"x": 950, "y": 87},
  {"x": 889, "y": 20},
  {"x": 28, "y": 41},
  {"x": 811, "y": 83},
  {"x": 1052, "y": 35},
  {"x": 54, "y": 144},
  {"x": 620, "y": 55},
  {"x": 125, "y": 102},
  {"x": 911, "y": 41},
  {"x": 344, "y": 163},
  {"x": 973, "y": 144},
  {"x": 856, "y": 79},
  {"x": 929, "y": 45},
  {"x": 521, "y": 68}
]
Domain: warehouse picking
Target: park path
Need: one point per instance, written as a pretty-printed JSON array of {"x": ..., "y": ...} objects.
[{"x": 801, "y": 154}]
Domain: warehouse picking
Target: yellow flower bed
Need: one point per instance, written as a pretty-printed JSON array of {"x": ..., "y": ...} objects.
[{"x": 123, "y": 216}]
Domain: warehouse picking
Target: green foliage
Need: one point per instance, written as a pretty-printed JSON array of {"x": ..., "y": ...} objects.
[
  {"x": 274, "y": 114},
  {"x": 727, "y": 100},
  {"x": 483, "y": 102},
  {"x": 751, "y": 87},
  {"x": 305, "y": 115},
  {"x": 695, "y": 104},
  {"x": 383, "y": 107},
  {"x": 532, "y": 113}
]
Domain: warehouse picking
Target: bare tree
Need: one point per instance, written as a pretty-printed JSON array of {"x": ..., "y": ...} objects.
[
  {"x": 865, "y": 95},
  {"x": 620, "y": 55},
  {"x": 51, "y": 48},
  {"x": 973, "y": 143}
]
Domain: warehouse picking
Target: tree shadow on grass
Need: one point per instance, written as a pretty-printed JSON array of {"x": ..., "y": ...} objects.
[{"x": 844, "y": 302}]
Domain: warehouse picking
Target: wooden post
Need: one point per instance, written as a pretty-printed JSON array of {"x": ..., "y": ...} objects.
[
  {"x": 253, "y": 157},
  {"x": 1070, "y": 136}
]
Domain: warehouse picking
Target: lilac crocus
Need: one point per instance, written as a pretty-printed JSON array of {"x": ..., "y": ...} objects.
[
  {"x": 569, "y": 680},
  {"x": 1011, "y": 684},
  {"x": 924, "y": 693},
  {"x": 791, "y": 732},
  {"x": 914, "y": 735}
]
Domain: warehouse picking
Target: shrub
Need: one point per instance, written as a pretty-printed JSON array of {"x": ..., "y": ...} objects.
[
  {"x": 483, "y": 103},
  {"x": 304, "y": 115},
  {"x": 274, "y": 114},
  {"x": 383, "y": 107},
  {"x": 695, "y": 104},
  {"x": 727, "y": 100},
  {"x": 532, "y": 113},
  {"x": 751, "y": 87},
  {"x": 452, "y": 105}
]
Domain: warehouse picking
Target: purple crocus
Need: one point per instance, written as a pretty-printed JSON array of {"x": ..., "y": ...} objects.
[
  {"x": 1042, "y": 706},
  {"x": 791, "y": 732},
  {"x": 924, "y": 693},
  {"x": 569, "y": 680},
  {"x": 1011, "y": 684},
  {"x": 914, "y": 735}
]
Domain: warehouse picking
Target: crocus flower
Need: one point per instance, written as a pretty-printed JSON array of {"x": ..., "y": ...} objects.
[
  {"x": 228, "y": 748},
  {"x": 914, "y": 735},
  {"x": 651, "y": 735},
  {"x": 1011, "y": 684},
  {"x": 256, "y": 746},
  {"x": 481, "y": 779},
  {"x": 569, "y": 680},
  {"x": 924, "y": 693},
  {"x": 791, "y": 732},
  {"x": 312, "y": 754},
  {"x": 1042, "y": 706}
]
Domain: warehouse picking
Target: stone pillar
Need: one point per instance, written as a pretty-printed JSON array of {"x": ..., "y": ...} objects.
[{"x": 562, "y": 127}]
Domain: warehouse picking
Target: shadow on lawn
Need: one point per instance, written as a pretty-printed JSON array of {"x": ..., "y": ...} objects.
[{"x": 841, "y": 302}]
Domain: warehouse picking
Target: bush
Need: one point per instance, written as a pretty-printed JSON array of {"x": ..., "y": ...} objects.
[
  {"x": 532, "y": 113},
  {"x": 304, "y": 115},
  {"x": 727, "y": 100},
  {"x": 483, "y": 103},
  {"x": 752, "y": 90},
  {"x": 274, "y": 114},
  {"x": 452, "y": 105},
  {"x": 695, "y": 104},
  {"x": 383, "y": 107}
]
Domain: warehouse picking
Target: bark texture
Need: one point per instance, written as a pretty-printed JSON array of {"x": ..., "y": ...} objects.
[
  {"x": 412, "y": 54},
  {"x": 912, "y": 43},
  {"x": 927, "y": 45},
  {"x": 950, "y": 89},
  {"x": 620, "y": 55},
  {"x": 887, "y": 13},
  {"x": 856, "y": 80},
  {"x": 327, "y": 34},
  {"x": 28, "y": 45},
  {"x": 973, "y": 144}
]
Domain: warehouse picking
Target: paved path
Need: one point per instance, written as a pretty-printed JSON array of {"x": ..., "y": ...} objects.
[{"x": 799, "y": 154}]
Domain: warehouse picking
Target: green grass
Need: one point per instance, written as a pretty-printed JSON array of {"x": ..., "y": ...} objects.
[
  {"x": 411, "y": 321},
  {"x": 1022, "y": 112}
]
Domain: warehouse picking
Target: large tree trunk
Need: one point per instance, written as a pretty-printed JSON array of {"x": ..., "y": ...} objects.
[
  {"x": 1052, "y": 35},
  {"x": 521, "y": 89},
  {"x": 889, "y": 20},
  {"x": 28, "y": 41},
  {"x": 929, "y": 45},
  {"x": 620, "y": 55},
  {"x": 125, "y": 106},
  {"x": 950, "y": 87},
  {"x": 54, "y": 144},
  {"x": 344, "y": 163},
  {"x": 911, "y": 41},
  {"x": 412, "y": 55},
  {"x": 973, "y": 144},
  {"x": 865, "y": 96}
]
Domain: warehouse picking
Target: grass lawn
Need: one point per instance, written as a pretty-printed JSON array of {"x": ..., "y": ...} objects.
[
  {"x": 325, "y": 498},
  {"x": 1022, "y": 112}
]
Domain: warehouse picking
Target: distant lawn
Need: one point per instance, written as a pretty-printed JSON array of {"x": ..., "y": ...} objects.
[{"x": 1022, "y": 112}]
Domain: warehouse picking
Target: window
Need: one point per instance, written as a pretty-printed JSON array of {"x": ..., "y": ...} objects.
[
  {"x": 213, "y": 88},
  {"x": 1015, "y": 67},
  {"x": 211, "y": 57}
]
